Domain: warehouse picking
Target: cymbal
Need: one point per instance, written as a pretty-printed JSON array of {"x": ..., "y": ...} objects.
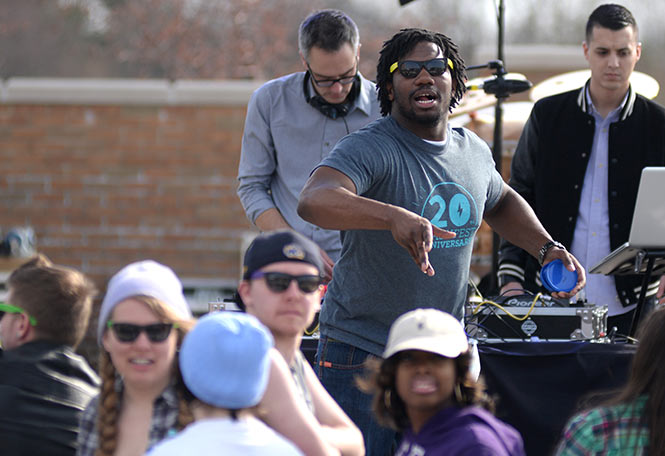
[
  {"x": 642, "y": 83},
  {"x": 515, "y": 111},
  {"x": 474, "y": 98},
  {"x": 481, "y": 122}
]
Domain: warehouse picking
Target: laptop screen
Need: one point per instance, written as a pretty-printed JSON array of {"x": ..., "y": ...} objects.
[{"x": 648, "y": 227}]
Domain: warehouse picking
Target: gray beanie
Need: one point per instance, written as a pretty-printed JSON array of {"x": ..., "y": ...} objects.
[{"x": 143, "y": 278}]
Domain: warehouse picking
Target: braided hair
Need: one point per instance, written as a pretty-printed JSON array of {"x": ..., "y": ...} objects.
[
  {"x": 404, "y": 42},
  {"x": 110, "y": 400}
]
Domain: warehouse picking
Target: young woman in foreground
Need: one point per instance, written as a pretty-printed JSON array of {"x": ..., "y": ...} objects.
[{"x": 423, "y": 389}]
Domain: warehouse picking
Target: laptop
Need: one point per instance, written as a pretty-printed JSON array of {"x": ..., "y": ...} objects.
[{"x": 647, "y": 231}]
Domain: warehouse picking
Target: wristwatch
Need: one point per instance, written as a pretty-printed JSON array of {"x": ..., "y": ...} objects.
[{"x": 546, "y": 248}]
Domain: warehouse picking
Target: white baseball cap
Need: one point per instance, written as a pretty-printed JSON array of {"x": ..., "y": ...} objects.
[{"x": 429, "y": 330}]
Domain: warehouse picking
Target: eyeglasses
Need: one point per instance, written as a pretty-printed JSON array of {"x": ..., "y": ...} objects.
[
  {"x": 8, "y": 308},
  {"x": 279, "y": 281},
  {"x": 128, "y": 332},
  {"x": 346, "y": 80},
  {"x": 412, "y": 68}
]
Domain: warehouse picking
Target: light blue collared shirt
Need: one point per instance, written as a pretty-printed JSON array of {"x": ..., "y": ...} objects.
[
  {"x": 283, "y": 141},
  {"x": 591, "y": 240}
]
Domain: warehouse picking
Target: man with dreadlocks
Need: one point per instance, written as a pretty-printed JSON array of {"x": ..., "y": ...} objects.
[{"x": 406, "y": 188}]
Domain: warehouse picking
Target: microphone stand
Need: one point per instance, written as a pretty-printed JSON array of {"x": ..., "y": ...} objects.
[
  {"x": 501, "y": 88},
  {"x": 497, "y": 145}
]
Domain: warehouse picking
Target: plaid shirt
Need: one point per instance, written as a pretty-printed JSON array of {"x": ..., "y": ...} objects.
[
  {"x": 617, "y": 430},
  {"x": 164, "y": 421}
]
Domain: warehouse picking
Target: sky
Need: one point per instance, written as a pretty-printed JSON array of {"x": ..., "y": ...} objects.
[{"x": 649, "y": 14}]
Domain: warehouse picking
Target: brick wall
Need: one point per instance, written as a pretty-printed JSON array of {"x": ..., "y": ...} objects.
[
  {"x": 112, "y": 171},
  {"x": 109, "y": 178}
]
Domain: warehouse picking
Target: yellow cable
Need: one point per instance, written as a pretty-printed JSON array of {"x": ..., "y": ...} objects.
[
  {"x": 499, "y": 306},
  {"x": 309, "y": 333}
]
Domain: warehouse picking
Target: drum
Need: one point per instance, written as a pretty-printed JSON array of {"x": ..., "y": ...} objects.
[{"x": 481, "y": 122}]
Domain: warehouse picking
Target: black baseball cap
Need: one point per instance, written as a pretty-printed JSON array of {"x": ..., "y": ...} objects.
[{"x": 280, "y": 245}]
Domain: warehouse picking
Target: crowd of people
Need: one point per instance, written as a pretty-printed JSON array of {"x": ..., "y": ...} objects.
[{"x": 368, "y": 202}]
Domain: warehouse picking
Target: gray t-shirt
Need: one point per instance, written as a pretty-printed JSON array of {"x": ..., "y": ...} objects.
[{"x": 376, "y": 280}]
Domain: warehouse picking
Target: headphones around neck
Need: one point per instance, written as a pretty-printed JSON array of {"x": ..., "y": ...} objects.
[{"x": 329, "y": 109}]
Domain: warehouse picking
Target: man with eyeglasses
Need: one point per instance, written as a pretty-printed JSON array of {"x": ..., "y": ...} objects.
[
  {"x": 44, "y": 385},
  {"x": 408, "y": 188},
  {"x": 282, "y": 287},
  {"x": 294, "y": 121}
]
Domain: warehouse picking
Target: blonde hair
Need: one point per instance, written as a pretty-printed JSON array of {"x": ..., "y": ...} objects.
[{"x": 109, "y": 398}]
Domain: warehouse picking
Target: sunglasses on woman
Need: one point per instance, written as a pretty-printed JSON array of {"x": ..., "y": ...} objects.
[
  {"x": 412, "y": 68},
  {"x": 280, "y": 281},
  {"x": 128, "y": 332}
]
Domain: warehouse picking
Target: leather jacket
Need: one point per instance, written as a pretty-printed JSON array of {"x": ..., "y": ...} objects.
[{"x": 44, "y": 387}]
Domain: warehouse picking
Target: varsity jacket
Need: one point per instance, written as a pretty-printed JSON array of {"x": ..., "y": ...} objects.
[{"x": 550, "y": 163}]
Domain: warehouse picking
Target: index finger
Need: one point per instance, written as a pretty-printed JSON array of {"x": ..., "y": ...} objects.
[{"x": 443, "y": 234}]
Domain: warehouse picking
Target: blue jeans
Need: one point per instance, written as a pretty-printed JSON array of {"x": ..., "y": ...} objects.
[{"x": 337, "y": 365}]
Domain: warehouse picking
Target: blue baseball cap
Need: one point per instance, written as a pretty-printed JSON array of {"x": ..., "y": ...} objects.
[{"x": 225, "y": 360}]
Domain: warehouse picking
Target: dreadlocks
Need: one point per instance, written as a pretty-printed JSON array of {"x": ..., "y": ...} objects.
[{"x": 403, "y": 43}]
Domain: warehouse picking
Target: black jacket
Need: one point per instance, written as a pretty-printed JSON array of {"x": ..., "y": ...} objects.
[
  {"x": 549, "y": 166},
  {"x": 43, "y": 390}
]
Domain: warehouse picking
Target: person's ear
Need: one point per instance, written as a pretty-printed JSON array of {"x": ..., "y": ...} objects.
[
  {"x": 303, "y": 60},
  {"x": 585, "y": 47},
  {"x": 105, "y": 340},
  {"x": 244, "y": 291},
  {"x": 389, "y": 89},
  {"x": 638, "y": 50},
  {"x": 319, "y": 296},
  {"x": 25, "y": 331}
]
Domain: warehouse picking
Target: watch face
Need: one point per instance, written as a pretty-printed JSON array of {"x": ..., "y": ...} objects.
[{"x": 545, "y": 248}]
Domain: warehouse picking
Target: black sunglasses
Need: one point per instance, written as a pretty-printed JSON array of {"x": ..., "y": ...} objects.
[
  {"x": 280, "y": 281},
  {"x": 412, "y": 68},
  {"x": 128, "y": 332}
]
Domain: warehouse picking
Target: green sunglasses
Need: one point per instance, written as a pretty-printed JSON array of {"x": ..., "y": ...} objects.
[{"x": 8, "y": 308}]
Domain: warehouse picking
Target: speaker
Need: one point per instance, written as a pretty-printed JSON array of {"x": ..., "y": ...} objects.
[{"x": 330, "y": 110}]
